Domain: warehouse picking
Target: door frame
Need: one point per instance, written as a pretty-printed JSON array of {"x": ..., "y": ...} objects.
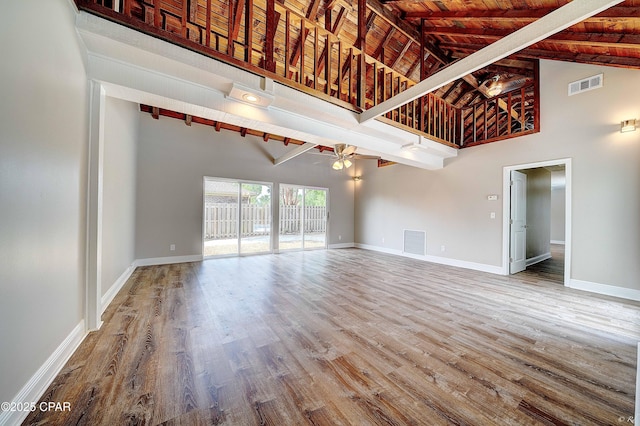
[
  {"x": 326, "y": 218},
  {"x": 506, "y": 211},
  {"x": 238, "y": 216}
]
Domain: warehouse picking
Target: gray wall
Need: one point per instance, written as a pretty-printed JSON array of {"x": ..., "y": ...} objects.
[
  {"x": 43, "y": 134},
  {"x": 558, "y": 194},
  {"x": 119, "y": 195},
  {"x": 173, "y": 159},
  {"x": 451, "y": 204},
  {"x": 538, "y": 211}
]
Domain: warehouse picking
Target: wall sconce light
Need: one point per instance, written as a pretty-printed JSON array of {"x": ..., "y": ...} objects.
[
  {"x": 357, "y": 178},
  {"x": 628, "y": 126}
]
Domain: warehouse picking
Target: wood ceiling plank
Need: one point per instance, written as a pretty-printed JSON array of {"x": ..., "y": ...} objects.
[{"x": 550, "y": 24}]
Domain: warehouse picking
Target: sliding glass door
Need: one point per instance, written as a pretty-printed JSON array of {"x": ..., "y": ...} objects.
[
  {"x": 303, "y": 217},
  {"x": 236, "y": 217}
]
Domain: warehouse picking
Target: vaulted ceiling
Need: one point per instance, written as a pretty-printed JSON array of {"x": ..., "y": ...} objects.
[
  {"x": 454, "y": 29},
  {"x": 317, "y": 46}
]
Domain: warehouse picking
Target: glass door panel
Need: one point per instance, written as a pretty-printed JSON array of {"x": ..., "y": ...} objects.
[
  {"x": 220, "y": 217},
  {"x": 291, "y": 211},
  {"x": 315, "y": 218},
  {"x": 255, "y": 218}
]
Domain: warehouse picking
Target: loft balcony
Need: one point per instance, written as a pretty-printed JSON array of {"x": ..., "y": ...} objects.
[{"x": 287, "y": 43}]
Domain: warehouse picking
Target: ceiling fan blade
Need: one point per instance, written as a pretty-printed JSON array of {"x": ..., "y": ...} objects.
[
  {"x": 349, "y": 150},
  {"x": 365, "y": 157},
  {"x": 339, "y": 149}
]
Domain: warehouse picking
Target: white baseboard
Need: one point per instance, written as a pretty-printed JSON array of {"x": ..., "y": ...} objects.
[
  {"x": 115, "y": 288},
  {"x": 557, "y": 242},
  {"x": 40, "y": 381},
  {"x": 436, "y": 259},
  {"x": 609, "y": 290},
  {"x": 341, "y": 245},
  {"x": 538, "y": 259},
  {"x": 167, "y": 260}
]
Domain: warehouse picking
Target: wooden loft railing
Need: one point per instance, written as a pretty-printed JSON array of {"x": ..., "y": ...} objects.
[
  {"x": 512, "y": 114},
  {"x": 270, "y": 39}
]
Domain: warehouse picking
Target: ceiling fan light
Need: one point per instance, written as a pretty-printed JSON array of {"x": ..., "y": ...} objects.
[
  {"x": 337, "y": 165},
  {"x": 494, "y": 90},
  {"x": 347, "y": 163}
]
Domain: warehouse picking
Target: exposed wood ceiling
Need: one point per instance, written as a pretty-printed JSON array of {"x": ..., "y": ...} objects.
[{"x": 454, "y": 29}]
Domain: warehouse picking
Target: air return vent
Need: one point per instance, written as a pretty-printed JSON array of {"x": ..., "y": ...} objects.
[
  {"x": 585, "y": 84},
  {"x": 415, "y": 242}
]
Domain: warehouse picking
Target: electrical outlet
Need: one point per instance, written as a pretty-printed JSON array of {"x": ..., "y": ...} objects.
[
  {"x": 442, "y": 248},
  {"x": 492, "y": 215},
  {"x": 172, "y": 247},
  {"x": 382, "y": 240},
  {"x": 339, "y": 237}
]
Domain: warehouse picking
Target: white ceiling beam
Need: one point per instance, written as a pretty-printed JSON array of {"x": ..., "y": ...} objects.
[
  {"x": 558, "y": 20},
  {"x": 294, "y": 153}
]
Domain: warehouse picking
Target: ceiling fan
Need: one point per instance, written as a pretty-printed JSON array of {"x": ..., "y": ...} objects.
[
  {"x": 343, "y": 153},
  {"x": 502, "y": 83}
]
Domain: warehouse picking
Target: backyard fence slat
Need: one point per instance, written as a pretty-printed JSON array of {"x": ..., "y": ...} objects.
[{"x": 221, "y": 220}]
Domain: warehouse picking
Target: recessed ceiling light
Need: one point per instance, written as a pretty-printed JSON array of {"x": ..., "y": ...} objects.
[{"x": 250, "y": 98}]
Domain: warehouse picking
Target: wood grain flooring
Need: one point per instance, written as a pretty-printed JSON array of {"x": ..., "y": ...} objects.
[
  {"x": 551, "y": 269},
  {"x": 349, "y": 337}
]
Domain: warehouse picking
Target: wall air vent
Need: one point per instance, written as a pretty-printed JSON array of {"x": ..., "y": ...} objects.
[
  {"x": 415, "y": 242},
  {"x": 585, "y": 84}
]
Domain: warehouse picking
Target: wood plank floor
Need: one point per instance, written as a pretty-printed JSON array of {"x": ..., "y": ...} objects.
[
  {"x": 550, "y": 269},
  {"x": 349, "y": 337}
]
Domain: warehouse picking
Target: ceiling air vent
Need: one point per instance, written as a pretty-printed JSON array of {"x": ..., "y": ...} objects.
[
  {"x": 585, "y": 84},
  {"x": 415, "y": 242}
]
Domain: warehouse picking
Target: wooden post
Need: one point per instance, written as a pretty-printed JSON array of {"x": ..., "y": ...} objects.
[
  {"x": 230, "y": 28},
  {"x": 207, "y": 37},
  {"x": 269, "y": 62},
  {"x": 248, "y": 32},
  {"x": 361, "y": 44},
  {"x": 287, "y": 43},
  {"x": 536, "y": 104}
]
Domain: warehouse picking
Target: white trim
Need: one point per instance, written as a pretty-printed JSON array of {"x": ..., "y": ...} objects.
[
  {"x": 95, "y": 181},
  {"x": 341, "y": 246},
  {"x": 556, "y": 242},
  {"x": 115, "y": 288},
  {"x": 637, "y": 412},
  {"x": 167, "y": 260},
  {"x": 606, "y": 289},
  {"x": 481, "y": 267},
  {"x": 506, "y": 210},
  {"x": 36, "y": 386},
  {"x": 538, "y": 259}
]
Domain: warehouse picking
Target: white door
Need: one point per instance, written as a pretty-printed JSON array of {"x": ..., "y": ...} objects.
[{"x": 518, "y": 227}]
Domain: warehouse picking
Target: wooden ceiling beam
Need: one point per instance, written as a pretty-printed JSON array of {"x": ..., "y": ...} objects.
[
  {"x": 401, "y": 55},
  {"x": 616, "y": 12},
  {"x": 474, "y": 15},
  {"x": 405, "y": 28},
  {"x": 616, "y": 40},
  {"x": 530, "y": 53},
  {"x": 385, "y": 41},
  {"x": 556, "y": 21}
]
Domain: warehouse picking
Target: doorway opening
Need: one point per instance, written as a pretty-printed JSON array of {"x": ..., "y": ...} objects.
[
  {"x": 303, "y": 218},
  {"x": 237, "y": 217},
  {"x": 537, "y": 220}
]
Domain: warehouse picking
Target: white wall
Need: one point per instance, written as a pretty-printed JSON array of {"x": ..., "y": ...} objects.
[
  {"x": 119, "y": 195},
  {"x": 538, "y": 211},
  {"x": 43, "y": 135},
  {"x": 451, "y": 204},
  {"x": 173, "y": 159}
]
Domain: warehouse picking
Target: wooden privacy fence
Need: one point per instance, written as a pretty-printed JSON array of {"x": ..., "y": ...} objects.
[{"x": 221, "y": 220}]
